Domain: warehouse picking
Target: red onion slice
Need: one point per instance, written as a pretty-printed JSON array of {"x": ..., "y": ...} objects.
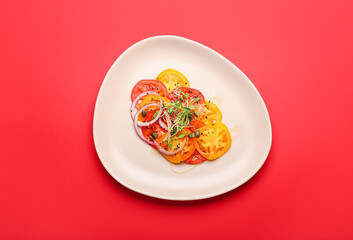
[
  {"x": 144, "y": 124},
  {"x": 140, "y": 134},
  {"x": 133, "y": 108},
  {"x": 166, "y": 152},
  {"x": 162, "y": 124}
]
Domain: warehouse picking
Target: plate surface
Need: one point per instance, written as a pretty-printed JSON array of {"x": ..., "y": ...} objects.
[{"x": 136, "y": 165}]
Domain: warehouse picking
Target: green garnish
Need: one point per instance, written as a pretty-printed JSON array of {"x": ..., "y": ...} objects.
[
  {"x": 153, "y": 135},
  {"x": 182, "y": 117},
  {"x": 196, "y": 99},
  {"x": 180, "y": 136},
  {"x": 155, "y": 114},
  {"x": 173, "y": 131},
  {"x": 189, "y": 116},
  {"x": 170, "y": 143}
]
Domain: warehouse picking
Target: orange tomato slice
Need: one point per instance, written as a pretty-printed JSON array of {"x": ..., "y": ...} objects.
[
  {"x": 214, "y": 140},
  {"x": 184, "y": 154},
  {"x": 209, "y": 113},
  {"x": 150, "y": 99}
]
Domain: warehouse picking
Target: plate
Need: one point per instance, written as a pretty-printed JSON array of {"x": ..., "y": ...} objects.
[{"x": 136, "y": 165}]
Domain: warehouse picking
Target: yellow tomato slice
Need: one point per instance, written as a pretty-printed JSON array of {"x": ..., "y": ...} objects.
[
  {"x": 214, "y": 140},
  {"x": 150, "y": 99},
  {"x": 184, "y": 154},
  {"x": 172, "y": 79},
  {"x": 209, "y": 113}
]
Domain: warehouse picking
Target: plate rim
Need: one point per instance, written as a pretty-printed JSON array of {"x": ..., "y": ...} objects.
[{"x": 181, "y": 198}]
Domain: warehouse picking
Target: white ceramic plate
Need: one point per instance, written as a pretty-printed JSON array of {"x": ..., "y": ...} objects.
[{"x": 135, "y": 165}]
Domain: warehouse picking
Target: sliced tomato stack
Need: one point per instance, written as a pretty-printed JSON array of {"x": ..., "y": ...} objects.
[{"x": 192, "y": 136}]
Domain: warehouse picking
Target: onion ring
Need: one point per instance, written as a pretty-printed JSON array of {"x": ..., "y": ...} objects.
[
  {"x": 166, "y": 152},
  {"x": 144, "y": 124},
  {"x": 169, "y": 123},
  {"x": 162, "y": 124},
  {"x": 133, "y": 109},
  {"x": 140, "y": 134}
]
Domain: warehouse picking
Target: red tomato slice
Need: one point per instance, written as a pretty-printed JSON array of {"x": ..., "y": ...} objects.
[
  {"x": 195, "y": 158},
  {"x": 149, "y": 85},
  {"x": 179, "y": 93},
  {"x": 155, "y": 127},
  {"x": 194, "y": 125}
]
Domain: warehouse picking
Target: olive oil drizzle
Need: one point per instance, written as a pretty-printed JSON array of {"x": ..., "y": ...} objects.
[{"x": 186, "y": 167}]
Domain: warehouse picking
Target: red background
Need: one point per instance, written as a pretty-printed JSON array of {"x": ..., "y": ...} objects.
[{"x": 53, "y": 58}]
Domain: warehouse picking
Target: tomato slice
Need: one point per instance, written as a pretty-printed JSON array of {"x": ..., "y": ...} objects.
[
  {"x": 194, "y": 125},
  {"x": 172, "y": 79},
  {"x": 149, "y": 85},
  {"x": 155, "y": 127},
  {"x": 191, "y": 93},
  {"x": 214, "y": 140},
  {"x": 209, "y": 113},
  {"x": 184, "y": 154},
  {"x": 150, "y": 99},
  {"x": 195, "y": 158}
]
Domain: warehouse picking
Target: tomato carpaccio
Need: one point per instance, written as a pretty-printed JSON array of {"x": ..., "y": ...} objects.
[{"x": 188, "y": 121}]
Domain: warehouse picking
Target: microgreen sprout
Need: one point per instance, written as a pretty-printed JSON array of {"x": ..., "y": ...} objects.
[{"x": 181, "y": 117}]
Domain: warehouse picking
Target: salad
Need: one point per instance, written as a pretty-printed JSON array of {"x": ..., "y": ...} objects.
[{"x": 177, "y": 120}]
